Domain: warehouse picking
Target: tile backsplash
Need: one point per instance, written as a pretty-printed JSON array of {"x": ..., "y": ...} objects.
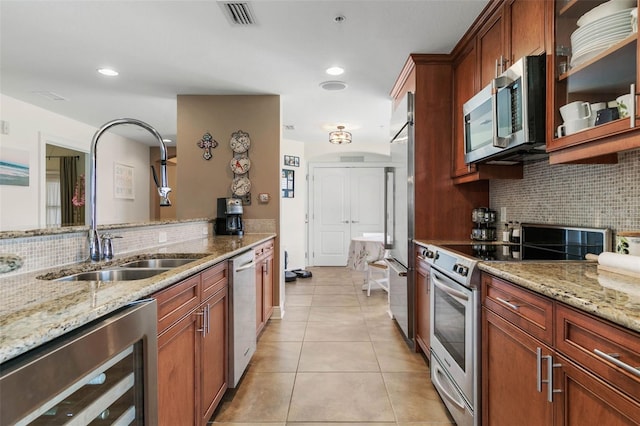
[{"x": 590, "y": 195}]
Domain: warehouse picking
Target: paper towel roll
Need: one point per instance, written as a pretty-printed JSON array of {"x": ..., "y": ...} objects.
[{"x": 622, "y": 262}]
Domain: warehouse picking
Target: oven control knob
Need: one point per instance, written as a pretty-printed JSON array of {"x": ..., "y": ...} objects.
[
  {"x": 460, "y": 269},
  {"x": 428, "y": 254}
]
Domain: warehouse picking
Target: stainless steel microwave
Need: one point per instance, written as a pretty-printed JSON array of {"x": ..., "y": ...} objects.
[{"x": 505, "y": 122}]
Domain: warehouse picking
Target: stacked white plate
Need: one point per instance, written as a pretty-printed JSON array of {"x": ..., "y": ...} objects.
[{"x": 598, "y": 34}]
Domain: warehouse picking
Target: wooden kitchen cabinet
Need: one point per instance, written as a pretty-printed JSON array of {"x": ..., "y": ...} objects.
[
  {"x": 518, "y": 327},
  {"x": 192, "y": 347},
  {"x": 475, "y": 66},
  {"x": 464, "y": 87},
  {"x": 442, "y": 209},
  {"x": 178, "y": 361},
  {"x": 596, "y": 76},
  {"x": 587, "y": 400},
  {"x": 423, "y": 311},
  {"x": 510, "y": 355},
  {"x": 509, "y": 379},
  {"x": 491, "y": 49},
  {"x": 214, "y": 347},
  {"x": 264, "y": 256},
  {"x": 516, "y": 29}
]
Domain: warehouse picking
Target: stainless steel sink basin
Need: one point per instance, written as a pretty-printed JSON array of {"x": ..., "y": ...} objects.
[
  {"x": 117, "y": 274},
  {"x": 157, "y": 263}
]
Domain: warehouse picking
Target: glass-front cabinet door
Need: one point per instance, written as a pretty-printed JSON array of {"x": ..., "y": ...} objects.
[{"x": 594, "y": 72}]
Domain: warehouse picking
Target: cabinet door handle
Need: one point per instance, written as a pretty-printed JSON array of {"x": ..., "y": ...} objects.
[
  {"x": 612, "y": 359},
  {"x": 549, "y": 380},
  {"x": 539, "y": 369},
  {"x": 508, "y": 303},
  {"x": 202, "y": 329},
  {"x": 632, "y": 107},
  {"x": 208, "y": 318}
]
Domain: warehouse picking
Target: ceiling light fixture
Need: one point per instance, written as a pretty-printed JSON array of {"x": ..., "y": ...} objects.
[
  {"x": 108, "y": 72},
  {"x": 339, "y": 136},
  {"x": 335, "y": 71}
]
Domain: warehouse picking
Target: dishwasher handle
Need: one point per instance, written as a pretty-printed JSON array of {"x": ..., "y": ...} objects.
[{"x": 246, "y": 266}]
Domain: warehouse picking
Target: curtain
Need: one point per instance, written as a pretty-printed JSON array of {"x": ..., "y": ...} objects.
[
  {"x": 68, "y": 179},
  {"x": 53, "y": 200}
]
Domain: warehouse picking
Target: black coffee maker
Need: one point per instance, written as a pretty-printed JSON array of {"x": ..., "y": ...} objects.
[{"x": 229, "y": 220}]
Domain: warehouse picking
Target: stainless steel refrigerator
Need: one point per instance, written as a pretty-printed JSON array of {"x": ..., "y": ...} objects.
[{"x": 399, "y": 216}]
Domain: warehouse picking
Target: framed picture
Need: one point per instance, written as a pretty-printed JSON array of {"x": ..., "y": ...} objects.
[
  {"x": 290, "y": 160},
  {"x": 123, "y": 181},
  {"x": 287, "y": 182},
  {"x": 14, "y": 167}
]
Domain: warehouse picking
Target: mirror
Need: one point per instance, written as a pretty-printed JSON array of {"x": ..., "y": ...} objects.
[{"x": 65, "y": 201}]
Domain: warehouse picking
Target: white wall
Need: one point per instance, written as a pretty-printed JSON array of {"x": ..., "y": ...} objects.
[
  {"x": 313, "y": 150},
  {"x": 31, "y": 128},
  {"x": 293, "y": 228}
]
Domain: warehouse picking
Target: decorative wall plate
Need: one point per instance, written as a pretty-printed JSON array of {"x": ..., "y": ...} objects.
[
  {"x": 240, "y": 166},
  {"x": 240, "y": 186},
  {"x": 240, "y": 141}
]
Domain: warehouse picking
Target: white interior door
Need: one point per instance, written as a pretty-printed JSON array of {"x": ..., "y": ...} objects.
[
  {"x": 346, "y": 203},
  {"x": 330, "y": 217}
]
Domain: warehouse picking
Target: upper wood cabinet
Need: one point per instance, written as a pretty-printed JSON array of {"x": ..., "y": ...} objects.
[
  {"x": 515, "y": 29},
  {"x": 583, "y": 67},
  {"x": 486, "y": 51},
  {"x": 491, "y": 49},
  {"x": 442, "y": 210},
  {"x": 464, "y": 88}
]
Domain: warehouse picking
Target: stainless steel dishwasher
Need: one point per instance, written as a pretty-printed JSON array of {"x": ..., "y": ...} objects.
[
  {"x": 102, "y": 373},
  {"x": 242, "y": 314}
]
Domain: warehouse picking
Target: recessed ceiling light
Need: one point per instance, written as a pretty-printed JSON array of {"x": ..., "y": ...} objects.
[
  {"x": 335, "y": 71},
  {"x": 166, "y": 140},
  {"x": 108, "y": 72}
]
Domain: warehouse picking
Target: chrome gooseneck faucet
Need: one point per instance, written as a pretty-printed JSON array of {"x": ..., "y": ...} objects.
[{"x": 95, "y": 249}]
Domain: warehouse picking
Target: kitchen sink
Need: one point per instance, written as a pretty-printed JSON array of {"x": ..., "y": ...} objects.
[
  {"x": 157, "y": 263},
  {"x": 117, "y": 274}
]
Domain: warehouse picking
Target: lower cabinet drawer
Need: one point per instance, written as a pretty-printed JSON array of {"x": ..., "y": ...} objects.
[
  {"x": 176, "y": 301},
  {"x": 214, "y": 279},
  {"x": 524, "y": 309},
  {"x": 611, "y": 352}
]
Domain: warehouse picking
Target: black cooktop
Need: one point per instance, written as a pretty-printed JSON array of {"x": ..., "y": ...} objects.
[{"x": 541, "y": 242}]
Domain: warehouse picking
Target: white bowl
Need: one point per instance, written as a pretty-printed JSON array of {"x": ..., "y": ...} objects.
[{"x": 605, "y": 9}]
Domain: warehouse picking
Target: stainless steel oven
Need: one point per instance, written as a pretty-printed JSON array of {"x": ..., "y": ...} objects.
[
  {"x": 455, "y": 303},
  {"x": 454, "y": 334}
]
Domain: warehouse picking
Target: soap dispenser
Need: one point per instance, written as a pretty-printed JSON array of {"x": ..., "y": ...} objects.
[{"x": 107, "y": 246}]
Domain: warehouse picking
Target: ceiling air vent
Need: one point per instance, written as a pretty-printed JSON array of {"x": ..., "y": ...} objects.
[{"x": 238, "y": 13}]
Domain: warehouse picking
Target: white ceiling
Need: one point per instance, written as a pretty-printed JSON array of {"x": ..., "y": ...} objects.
[{"x": 167, "y": 48}]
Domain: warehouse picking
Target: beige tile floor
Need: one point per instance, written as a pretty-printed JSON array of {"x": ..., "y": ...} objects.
[{"x": 335, "y": 359}]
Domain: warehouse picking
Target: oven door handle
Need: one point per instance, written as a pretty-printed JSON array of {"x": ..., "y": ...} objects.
[
  {"x": 450, "y": 291},
  {"x": 436, "y": 378}
]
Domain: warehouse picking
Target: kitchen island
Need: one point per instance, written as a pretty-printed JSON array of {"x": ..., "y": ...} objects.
[{"x": 35, "y": 309}]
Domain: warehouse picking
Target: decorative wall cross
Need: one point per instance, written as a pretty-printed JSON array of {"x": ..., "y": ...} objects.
[{"x": 207, "y": 143}]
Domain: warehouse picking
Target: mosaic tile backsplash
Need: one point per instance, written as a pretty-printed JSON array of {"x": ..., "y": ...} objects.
[{"x": 590, "y": 195}]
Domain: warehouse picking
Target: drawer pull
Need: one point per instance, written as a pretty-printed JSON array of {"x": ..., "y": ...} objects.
[
  {"x": 509, "y": 304},
  {"x": 612, "y": 359}
]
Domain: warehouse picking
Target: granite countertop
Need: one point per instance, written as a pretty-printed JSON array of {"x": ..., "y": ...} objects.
[
  {"x": 35, "y": 310},
  {"x": 579, "y": 284}
]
